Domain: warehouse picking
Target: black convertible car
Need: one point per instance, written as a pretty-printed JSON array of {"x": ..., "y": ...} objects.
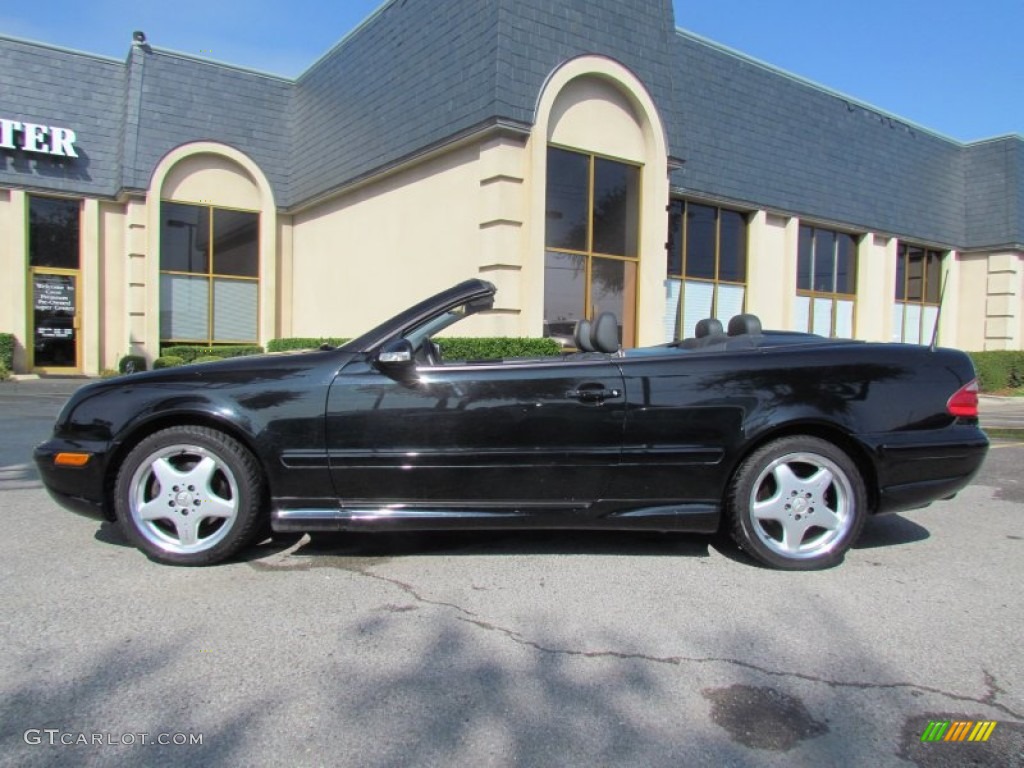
[{"x": 790, "y": 440}]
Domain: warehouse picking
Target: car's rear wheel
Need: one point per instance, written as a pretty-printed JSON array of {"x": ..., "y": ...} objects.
[
  {"x": 797, "y": 503},
  {"x": 190, "y": 496}
]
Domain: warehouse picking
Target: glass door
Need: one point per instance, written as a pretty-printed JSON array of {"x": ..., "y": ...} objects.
[
  {"x": 55, "y": 320},
  {"x": 54, "y": 246}
]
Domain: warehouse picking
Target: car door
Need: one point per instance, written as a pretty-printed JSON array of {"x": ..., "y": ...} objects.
[
  {"x": 543, "y": 432},
  {"x": 686, "y": 422}
]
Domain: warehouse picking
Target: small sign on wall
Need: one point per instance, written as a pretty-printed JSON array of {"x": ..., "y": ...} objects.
[{"x": 55, "y": 293}]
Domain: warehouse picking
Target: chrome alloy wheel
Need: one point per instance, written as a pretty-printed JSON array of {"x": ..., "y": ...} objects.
[
  {"x": 184, "y": 499},
  {"x": 801, "y": 505}
]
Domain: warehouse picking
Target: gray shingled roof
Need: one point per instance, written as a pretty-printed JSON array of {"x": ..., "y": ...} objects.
[
  {"x": 53, "y": 86},
  {"x": 752, "y": 134},
  {"x": 419, "y": 72}
]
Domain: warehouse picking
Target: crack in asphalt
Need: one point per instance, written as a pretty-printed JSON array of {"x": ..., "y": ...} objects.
[
  {"x": 992, "y": 689},
  {"x": 410, "y": 590}
]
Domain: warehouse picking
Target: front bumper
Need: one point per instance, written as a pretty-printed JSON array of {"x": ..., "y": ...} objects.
[{"x": 79, "y": 489}]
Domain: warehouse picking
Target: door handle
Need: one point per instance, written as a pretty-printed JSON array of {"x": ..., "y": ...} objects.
[{"x": 593, "y": 395}]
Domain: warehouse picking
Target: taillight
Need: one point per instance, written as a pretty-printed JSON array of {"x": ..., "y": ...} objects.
[{"x": 964, "y": 401}]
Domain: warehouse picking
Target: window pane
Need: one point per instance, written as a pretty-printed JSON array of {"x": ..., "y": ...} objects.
[
  {"x": 701, "y": 223},
  {"x": 805, "y": 259},
  {"x": 933, "y": 275},
  {"x": 184, "y": 238},
  {"x": 732, "y": 249},
  {"x": 675, "y": 238},
  {"x": 697, "y": 300},
  {"x": 915, "y": 274},
  {"x": 567, "y": 199},
  {"x": 901, "y": 274},
  {"x": 802, "y": 314},
  {"x": 846, "y": 264},
  {"x": 824, "y": 261},
  {"x": 565, "y": 282},
  {"x": 897, "y": 322},
  {"x": 844, "y": 319},
  {"x": 614, "y": 285},
  {"x": 616, "y": 207},
  {"x": 234, "y": 310},
  {"x": 670, "y": 322},
  {"x": 53, "y": 233},
  {"x": 236, "y": 243},
  {"x": 821, "y": 317},
  {"x": 929, "y": 317},
  {"x": 184, "y": 308},
  {"x": 912, "y": 324},
  {"x": 730, "y": 302}
]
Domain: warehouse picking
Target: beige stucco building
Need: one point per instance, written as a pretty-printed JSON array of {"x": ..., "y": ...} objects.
[{"x": 591, "y": 175}]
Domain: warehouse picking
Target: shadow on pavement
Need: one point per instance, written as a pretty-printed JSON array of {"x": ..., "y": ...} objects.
[{"x": 890, "y": 531}]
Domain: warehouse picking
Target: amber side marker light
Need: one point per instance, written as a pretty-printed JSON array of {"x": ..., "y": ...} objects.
[
  {"x": 72, "y": 459},
  {"x": 964, "y": 401}
]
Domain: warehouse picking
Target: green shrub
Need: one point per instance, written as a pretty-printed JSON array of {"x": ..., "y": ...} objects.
[
  {"x": 7, "y": 351},
  {"x": 453, "y": 348},
  {"x": 168, "y": 361},
  {"x": 131, "y": 364},
  {"x": 496, "y": 348},
  {"x": 189, "y": 352},
  {"x": 5, "y": 373},
  {"x": 999, "y": 369},
  {"x": 207, "y": 359},
  {"x": 108, "y": 373},
  {"x": 1017, "y": 377},
  {"x": 302, "y": 342}
]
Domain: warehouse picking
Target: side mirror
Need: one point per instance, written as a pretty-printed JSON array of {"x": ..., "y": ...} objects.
[{"x": 395, "y": 358}]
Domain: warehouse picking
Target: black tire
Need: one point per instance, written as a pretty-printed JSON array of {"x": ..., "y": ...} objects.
[
  {"x": 797, "y": 503},
  {"x": 190, "y": 496}
]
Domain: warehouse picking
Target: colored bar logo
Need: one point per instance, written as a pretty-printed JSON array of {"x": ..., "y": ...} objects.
[{"x": 958, "y": 730}]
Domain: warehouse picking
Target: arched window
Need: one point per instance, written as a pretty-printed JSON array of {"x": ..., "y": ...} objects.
[
  {"x": 591, "y": 242},
  {"x": 209, "y": 274}
]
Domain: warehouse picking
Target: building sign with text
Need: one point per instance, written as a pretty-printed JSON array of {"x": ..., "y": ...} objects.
[{"x": 37, "y": 138}]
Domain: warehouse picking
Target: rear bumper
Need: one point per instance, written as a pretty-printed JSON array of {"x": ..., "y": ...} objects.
[{"x": 917, "y": 468}]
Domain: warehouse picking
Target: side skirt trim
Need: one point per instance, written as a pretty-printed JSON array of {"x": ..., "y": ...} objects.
[{"x": 606, "y": 514}]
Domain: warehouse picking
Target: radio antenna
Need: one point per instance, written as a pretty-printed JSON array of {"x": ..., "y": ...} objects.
[{"x": 938, "y": 315}]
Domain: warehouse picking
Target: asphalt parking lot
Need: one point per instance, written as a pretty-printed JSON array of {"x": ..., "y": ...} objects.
[{"x": 507, "y": 648}]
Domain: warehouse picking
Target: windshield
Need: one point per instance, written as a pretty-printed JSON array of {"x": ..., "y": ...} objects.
[
  {"x": 437, "y": 324},
  {"x": 434, "y": 309}
]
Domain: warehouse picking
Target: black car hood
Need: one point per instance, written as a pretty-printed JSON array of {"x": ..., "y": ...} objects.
[{"x": 219, "y": 375}]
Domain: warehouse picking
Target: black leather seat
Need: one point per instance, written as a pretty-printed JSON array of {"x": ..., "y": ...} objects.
[
  {"x": 581, "y": 336},
  {"x": 708, "y": 331},
  {"x": 744, "y": 332},
  {"x": 604, "y": 335},
  {"x": 745, "y": 324}
]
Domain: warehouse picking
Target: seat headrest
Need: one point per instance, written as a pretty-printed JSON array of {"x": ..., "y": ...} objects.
[
  {"x": 744, "y": 324},
  {"x": 709, "y": 326},
  {"x": 581, "y": 335},
  {"x": 605, "y": 333}
]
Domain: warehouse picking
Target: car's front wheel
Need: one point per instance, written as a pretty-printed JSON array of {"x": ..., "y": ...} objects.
[
  {"x": 797, "y": 503},
  {"x": 189, "y": 496}
]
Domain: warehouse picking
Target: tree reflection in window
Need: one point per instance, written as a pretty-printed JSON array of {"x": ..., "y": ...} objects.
[{"x": 592, "y": 238}]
